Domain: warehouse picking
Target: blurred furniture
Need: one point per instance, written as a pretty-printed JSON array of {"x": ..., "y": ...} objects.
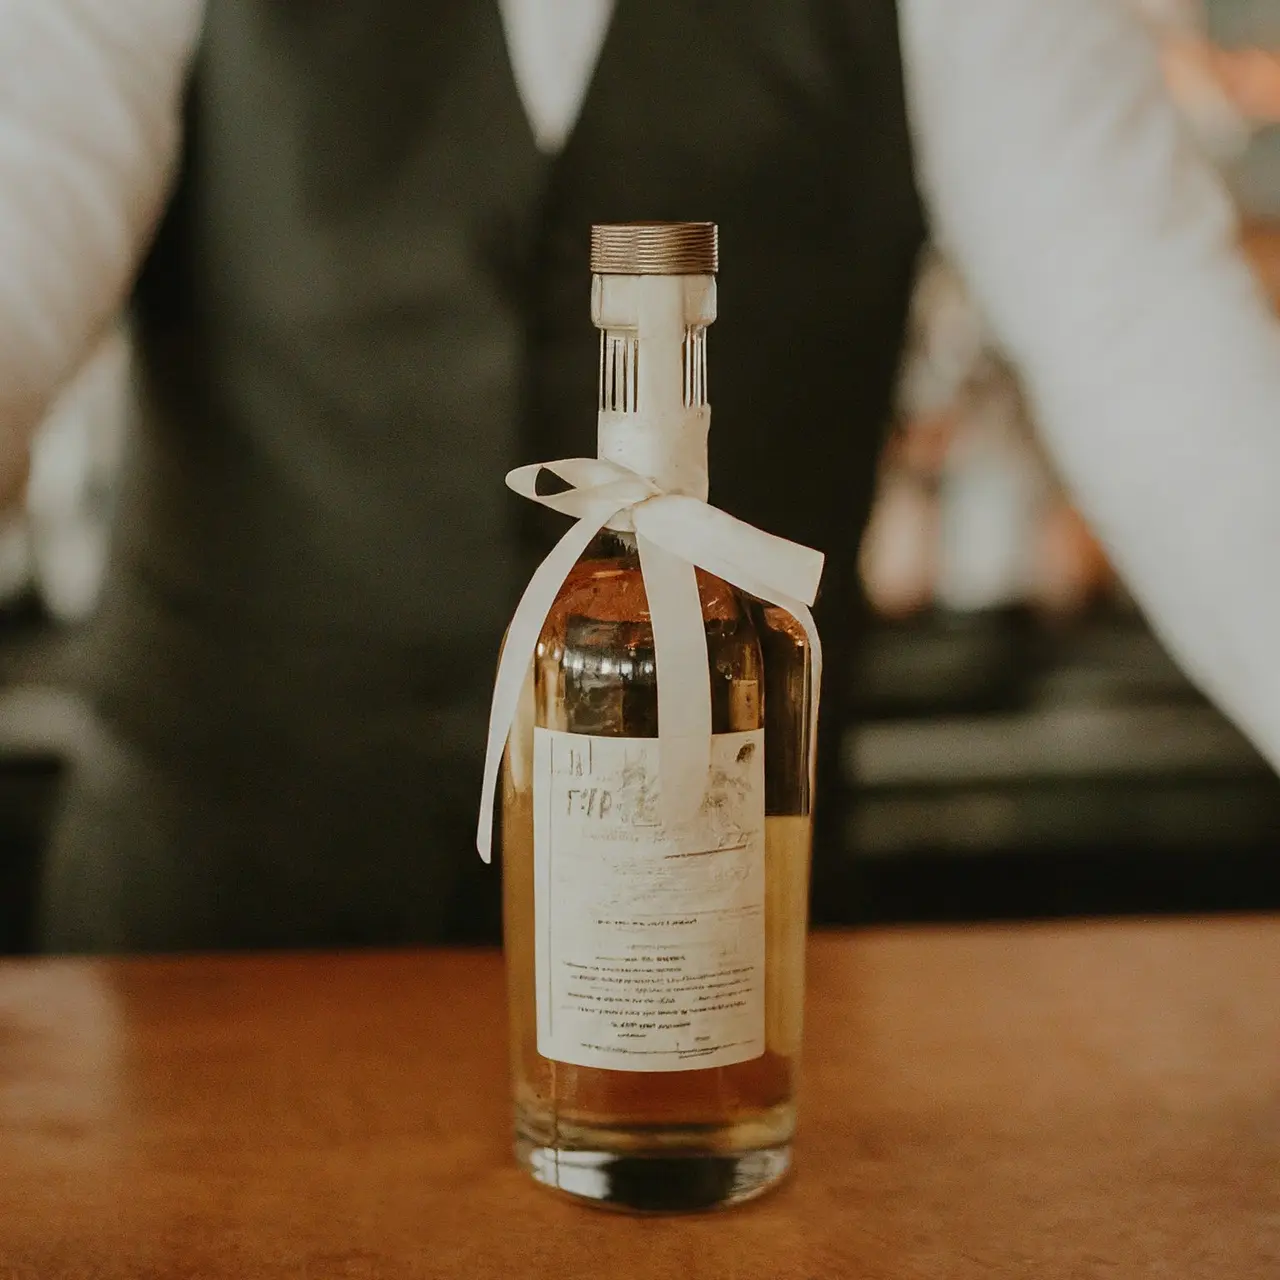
[
  {"x": 29, "y": 782},
  {"x": 999, "y": 769},
  {"x": 1262, "y": 243},
  {"x": 1049, "y": 1101},
  {"x": 41, "y": 727},
  {"x": 1006, "y": 769}
]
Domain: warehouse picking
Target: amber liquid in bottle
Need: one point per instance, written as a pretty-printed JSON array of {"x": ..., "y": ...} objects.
[
  {"x": 682, "y": 1139},
  {"x": 670, "y": 943}
]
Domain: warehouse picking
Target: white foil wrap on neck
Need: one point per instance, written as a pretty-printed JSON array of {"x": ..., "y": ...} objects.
[
  {"x": 651, "y": 479},
  {"x": 660, "y": 437}
]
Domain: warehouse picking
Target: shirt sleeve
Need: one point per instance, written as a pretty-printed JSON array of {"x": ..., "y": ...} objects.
[
  {"x": 1105, "y": 254},
  {"x": 90, "y": 104}
]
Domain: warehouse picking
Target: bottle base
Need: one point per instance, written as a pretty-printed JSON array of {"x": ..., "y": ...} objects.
[{"x": 665, "y": 1182}]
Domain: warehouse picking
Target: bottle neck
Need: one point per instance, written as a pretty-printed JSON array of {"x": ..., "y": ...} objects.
[{"x": 654, "y": 415}]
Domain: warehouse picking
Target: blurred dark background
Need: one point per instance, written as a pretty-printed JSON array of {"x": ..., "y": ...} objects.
[{"x": 1022, "y": 746}]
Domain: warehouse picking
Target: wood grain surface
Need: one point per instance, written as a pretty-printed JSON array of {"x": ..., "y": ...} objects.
[{"x": 1030, "y": 1101}]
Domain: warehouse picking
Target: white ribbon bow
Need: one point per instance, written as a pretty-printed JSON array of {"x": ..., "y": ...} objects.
[{"x": 674, "y": 533}]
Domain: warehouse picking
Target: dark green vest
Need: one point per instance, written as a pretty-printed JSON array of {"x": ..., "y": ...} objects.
[{"x": 370, "y": 300}]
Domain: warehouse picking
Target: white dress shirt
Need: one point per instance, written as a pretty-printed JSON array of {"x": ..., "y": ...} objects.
[{"x": 1099, "y": 243}]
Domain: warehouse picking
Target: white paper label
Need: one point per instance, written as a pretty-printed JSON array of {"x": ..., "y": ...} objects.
[{"x": 650, "y": 942}]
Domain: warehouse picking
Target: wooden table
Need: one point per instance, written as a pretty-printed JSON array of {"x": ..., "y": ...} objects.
[{"x": 1084, "y": 1100}]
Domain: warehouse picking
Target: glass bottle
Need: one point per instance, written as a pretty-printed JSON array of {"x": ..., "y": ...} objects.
[{"x": 656, "y": 977}]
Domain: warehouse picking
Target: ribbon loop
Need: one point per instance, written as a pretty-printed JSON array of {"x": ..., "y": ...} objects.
[
  {"x": 675, "y": 534},
  {"x": 731, "y": 548}
]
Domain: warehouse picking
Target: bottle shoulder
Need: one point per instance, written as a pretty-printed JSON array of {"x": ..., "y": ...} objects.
[{"x": 606, "y": 585}]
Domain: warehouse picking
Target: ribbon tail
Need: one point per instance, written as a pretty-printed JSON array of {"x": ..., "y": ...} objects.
[
  {"x": 513, "y": 663},
  {"x": 804, "y": 616},
  {"x": 684, "y": 683}
]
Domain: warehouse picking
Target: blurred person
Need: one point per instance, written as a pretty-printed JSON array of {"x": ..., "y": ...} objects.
[{"x": 364, "y": 295}]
